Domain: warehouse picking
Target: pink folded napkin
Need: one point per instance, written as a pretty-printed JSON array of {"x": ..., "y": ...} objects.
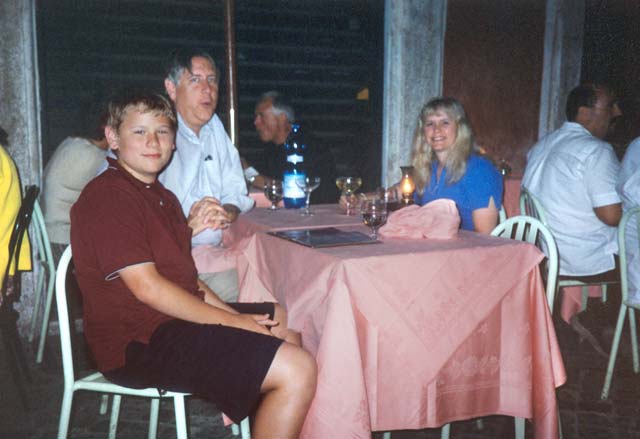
[{"x": 438, "y": 219}]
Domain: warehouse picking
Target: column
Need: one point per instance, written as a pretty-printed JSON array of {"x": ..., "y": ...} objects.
[
  {"x": 413, "y": 57},
  {"x": 564, "y": 30},
  {"x": 19, "y": 108}
]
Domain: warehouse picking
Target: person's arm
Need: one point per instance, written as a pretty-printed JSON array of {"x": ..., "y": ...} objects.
[
  {"x": 604, "y": 170},
  {"x": 609, "y": 214},
  {"x": 212, "y": 298},
  {"x": 485, "y": 219},
  {"x": 156, "y": 291}
]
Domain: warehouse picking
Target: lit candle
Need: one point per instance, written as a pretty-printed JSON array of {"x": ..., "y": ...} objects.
[{"x": 407, "y": 185}]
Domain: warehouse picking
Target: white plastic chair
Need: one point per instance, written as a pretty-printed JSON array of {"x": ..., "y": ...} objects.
[
  {"x": 531, "y": 206},
  {"x": 47, "y": 272},
  {"x": 96, "y": 382},
  {"x": 624, "y": 305},
  {"x": 502, "y": 215},
  {"x": 532, "y": 230}
]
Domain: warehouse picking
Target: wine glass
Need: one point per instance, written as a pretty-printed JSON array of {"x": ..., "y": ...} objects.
[
  {"x": 308, "y": 185},
  {"x": 374, "y": 214},
  {"x": 390, "y": 196},
  {"x": 273, "y": 192},
  {"x": 348, "y": 186}
]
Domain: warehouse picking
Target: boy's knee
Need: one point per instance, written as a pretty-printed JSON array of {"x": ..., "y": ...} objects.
[{"x": 306, "y": 370}]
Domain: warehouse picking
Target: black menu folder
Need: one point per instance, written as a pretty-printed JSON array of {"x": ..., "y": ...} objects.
[{"x": 326, "y": 237}]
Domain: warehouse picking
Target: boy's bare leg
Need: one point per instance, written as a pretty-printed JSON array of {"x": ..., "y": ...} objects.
[{"x": 288, "y": 390}]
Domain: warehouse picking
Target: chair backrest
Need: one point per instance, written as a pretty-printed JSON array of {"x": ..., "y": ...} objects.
[
  {"x": 502, "y": 215},
  {"x": 532, "y": 230},
  {"x": 63, "y": 316},
  {"x": 20, "y": 227},
  {"x": 45, "y": 255},
  {"x": 531, "y": 206},
  {"x": 622, "y": 246}
]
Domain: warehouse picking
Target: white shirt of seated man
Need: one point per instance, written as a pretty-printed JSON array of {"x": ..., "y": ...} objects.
[
  {"x": 205, "y": 163},
  {"x": 629, "y": 190},
  {"x": 573, "y": 173}
]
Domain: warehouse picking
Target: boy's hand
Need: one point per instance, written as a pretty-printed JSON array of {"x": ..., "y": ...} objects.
[{"x": 207, "y": 214}]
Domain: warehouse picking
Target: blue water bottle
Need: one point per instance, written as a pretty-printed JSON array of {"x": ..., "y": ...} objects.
[{"x": 295, "y": 149}]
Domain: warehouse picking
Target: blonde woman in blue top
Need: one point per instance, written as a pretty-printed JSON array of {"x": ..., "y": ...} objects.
[{"x": 446, "y": 167}]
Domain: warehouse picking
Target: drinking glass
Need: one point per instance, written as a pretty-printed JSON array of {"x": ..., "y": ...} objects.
[
  {"x": 390, "y": 196},
  {"x": 308, "y": 185},
  {"x": 374, "y": 214},
  {"x": 348, "y": 186},
  {"x": 273, "y": 192}
]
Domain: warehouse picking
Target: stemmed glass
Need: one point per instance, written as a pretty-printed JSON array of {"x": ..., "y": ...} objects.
[
  {"x": 374, "y": 214},
  {"x": 308, "y": 185},
  {"x": 273, "y": 192},
  {"x": 390, "y": 196},
  {"x": 348, "y": 186}
]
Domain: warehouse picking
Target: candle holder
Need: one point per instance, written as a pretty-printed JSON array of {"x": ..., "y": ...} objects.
[{"x": 407, "y": 185}]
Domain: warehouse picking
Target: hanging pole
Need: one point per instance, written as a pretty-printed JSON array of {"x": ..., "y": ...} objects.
[{"x": 230, "y": 58}]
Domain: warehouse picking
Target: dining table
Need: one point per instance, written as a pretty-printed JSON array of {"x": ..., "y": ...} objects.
[{"x": 407, "y": 333}]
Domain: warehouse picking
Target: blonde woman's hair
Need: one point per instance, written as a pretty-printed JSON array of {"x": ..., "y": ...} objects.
[{"x": 423, "y": 155}]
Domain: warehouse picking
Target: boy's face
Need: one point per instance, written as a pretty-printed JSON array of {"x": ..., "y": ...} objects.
[{"x": 144, "y": 143}]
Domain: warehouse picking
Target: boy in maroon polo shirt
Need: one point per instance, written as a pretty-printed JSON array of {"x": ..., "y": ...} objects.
[{"x": 148, "y": 320}]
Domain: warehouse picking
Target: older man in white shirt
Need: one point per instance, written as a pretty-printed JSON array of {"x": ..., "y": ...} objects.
[
  {"x": 573, "y": 172},
  {"x": 205, "y": 171}
]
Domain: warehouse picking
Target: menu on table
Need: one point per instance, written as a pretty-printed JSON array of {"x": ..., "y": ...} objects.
[{"x": 325, "y": 237}]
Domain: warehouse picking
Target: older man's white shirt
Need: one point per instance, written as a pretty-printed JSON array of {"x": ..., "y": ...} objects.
[
  {"x": 206, "y": 165},
  {"x": 570, "y": 171},
  {"x": 629, "y": 190}
]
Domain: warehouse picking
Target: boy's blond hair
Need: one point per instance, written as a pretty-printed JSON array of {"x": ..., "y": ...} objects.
[{"x": 144, "y": 101}]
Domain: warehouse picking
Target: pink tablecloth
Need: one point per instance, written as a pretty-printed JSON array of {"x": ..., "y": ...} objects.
[{"x": 414, "y": 333}]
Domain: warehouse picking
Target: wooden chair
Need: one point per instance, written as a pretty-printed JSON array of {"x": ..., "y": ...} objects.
[
  {"x": 625, "y": 306},
  {"x": 8, "y": 315}
]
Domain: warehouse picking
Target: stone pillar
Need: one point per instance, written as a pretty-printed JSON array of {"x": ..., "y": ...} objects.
[
  {"x": 413, "y": 57},
  {"x": 19, "y": 107},
  {"x": 564, "y": 30}
]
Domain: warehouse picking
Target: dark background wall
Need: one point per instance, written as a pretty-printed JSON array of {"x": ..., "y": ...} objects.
[
  {"x": 320, "y": 53},
  {"x": 612, "y": 54},
  {"x": 493, "y": 62}
]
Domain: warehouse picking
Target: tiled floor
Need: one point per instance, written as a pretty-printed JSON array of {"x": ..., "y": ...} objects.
[{"x": 583, "y": 414}]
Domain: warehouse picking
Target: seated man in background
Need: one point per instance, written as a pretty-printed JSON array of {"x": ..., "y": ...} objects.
[
  {"x": 205, "y": 172},
  {"x": 573, "y": 172},
  {"x": 149, "y": 320},
  {"x": 273, "y": 118},
  {"x": 629, "y": 190},
  {"x": 73, "y": 164}
]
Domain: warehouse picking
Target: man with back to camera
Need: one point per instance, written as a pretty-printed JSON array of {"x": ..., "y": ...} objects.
[
  {"x": 205, "y": 171},
  {"x": 573, "y": 173},
  {"x": 273, "y": 118}
]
